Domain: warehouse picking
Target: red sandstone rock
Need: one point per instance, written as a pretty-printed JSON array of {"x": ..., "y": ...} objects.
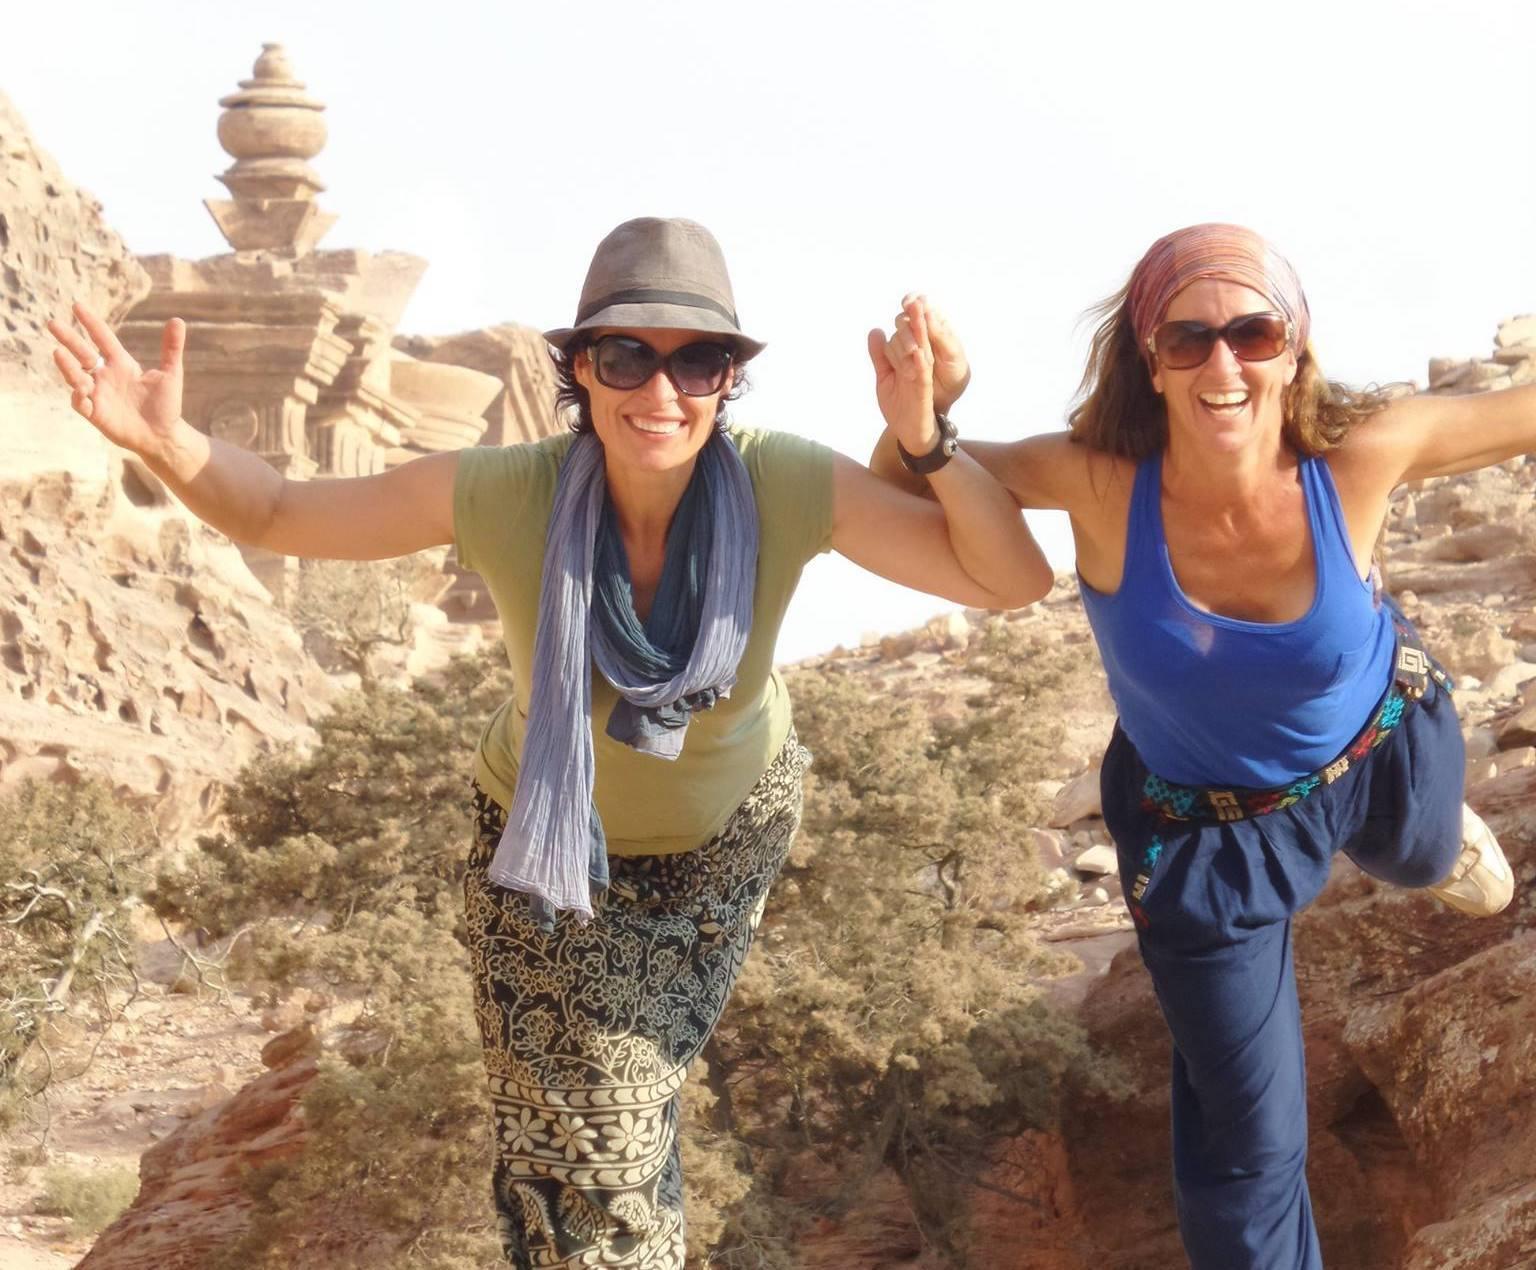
[{"x": 190, "y": 1201}]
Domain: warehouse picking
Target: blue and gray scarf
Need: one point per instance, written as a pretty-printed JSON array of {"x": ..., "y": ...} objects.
[{"x": 682, "y": 659}]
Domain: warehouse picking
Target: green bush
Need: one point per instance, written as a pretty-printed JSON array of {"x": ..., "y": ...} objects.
[
  {"x": 886, "y": 1018},
  {"x": 91, "y": 1198}
]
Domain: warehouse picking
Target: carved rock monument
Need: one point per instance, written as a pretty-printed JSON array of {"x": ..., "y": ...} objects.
[{"x": 290, "y": 350}]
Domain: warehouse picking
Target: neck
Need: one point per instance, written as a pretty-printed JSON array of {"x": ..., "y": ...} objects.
[
  {"x": 1195, "y": 473},
  {"x": 645, "y": 503}
]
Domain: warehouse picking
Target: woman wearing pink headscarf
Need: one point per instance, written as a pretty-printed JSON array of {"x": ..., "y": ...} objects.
[{"x": 1275, "y": 706}]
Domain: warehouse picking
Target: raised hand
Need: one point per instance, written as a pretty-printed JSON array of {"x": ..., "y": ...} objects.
[
  {"x": 132, "y": 407},
  {"x": 904, "y": 385},
  {"x": 951, "y": 369}
]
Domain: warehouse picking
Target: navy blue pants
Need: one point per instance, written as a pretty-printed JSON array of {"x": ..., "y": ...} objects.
[{"x": 1215, "y": 934}]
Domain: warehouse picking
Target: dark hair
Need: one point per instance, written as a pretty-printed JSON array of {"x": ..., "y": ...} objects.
[
  {"x": 1118, "y": 411},
  {"x": 572, "y": 401}
]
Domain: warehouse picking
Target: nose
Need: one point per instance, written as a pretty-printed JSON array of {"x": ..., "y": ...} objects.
[
  {"x": 1222, "y": 359},
  {"x": 660, "y": 386}
]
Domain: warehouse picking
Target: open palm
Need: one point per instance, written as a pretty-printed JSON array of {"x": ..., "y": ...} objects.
[{"x": 132, "y": 407}]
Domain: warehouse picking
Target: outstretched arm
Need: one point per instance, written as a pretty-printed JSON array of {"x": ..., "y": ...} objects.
[
  {"x": 1417, "y": 437},
  {"x": 974, "y": 547},
  {"x": 235, "y": 491}
]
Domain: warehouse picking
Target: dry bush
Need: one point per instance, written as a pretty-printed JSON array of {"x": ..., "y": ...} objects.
[
  {"x": 73, "y": 861},
  {"x": 886, "y": 1018},
  {"x": 91, "y": 1198}
]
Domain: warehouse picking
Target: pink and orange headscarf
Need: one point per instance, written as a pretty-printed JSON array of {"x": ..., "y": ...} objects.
[{"x": 1229, "y": 252}]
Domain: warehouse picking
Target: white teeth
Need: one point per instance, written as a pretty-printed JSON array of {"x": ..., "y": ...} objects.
[
  {"x": 656, "y": 429},
  {"x": 1223, "y": 398}
]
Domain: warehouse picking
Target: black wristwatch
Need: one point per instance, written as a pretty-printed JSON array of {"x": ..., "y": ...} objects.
[{"x": 943, "y": 450}]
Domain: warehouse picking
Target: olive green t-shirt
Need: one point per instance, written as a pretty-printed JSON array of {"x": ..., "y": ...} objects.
[{"x": 649, "y": 806}]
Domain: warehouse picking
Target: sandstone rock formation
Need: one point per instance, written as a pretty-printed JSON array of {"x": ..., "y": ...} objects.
[
  {"x": 135, "y": 646},
  {"x": 55, "y": 248},
  {"x": 190, "y": 1200}
]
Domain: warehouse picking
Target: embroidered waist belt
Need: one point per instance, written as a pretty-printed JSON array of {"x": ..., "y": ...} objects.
[{"x": 1413, "y": 669}]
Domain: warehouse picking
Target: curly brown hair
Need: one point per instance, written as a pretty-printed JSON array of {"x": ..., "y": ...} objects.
[
  {"x": 1117, "y": 410},
  {"x": 573, "y": 401}
]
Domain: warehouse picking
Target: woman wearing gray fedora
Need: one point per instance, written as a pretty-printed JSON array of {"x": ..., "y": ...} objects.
[{"x": 638, "y": 794}]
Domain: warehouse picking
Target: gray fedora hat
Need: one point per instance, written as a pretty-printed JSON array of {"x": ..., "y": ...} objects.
[{"x": 669, "y": 274}]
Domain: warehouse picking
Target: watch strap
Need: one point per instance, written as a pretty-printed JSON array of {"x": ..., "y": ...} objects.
[{"x": 943, "y": 450}]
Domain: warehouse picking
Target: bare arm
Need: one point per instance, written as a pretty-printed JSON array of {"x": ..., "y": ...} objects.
[
  {"x": 1418, "y": 437},
  {"x": 233, "y": 490},
  {"x": 974, "y": 547},
  {"x": 971, "y": 546}
]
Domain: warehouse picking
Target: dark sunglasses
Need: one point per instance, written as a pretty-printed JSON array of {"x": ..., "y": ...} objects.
[
  {"x": 1254, "y": 337},
  {"x": 696, "y": 370}
]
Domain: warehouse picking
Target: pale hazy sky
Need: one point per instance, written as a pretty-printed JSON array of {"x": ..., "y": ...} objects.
[{"x": 1011, "y": 160}]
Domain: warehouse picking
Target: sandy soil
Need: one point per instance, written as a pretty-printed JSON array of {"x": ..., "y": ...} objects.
[{"x": 173, "y": 1054}]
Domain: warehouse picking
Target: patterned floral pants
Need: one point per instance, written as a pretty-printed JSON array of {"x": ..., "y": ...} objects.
[{"x": 588, "y": 1031}]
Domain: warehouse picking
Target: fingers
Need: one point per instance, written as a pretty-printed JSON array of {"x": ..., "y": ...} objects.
[
  {"x": 908, "y": 349},
  {"x": 81, "y": 353},
  {"x": 101, "y": 335},
  {"x": 917, "y": 311},
  {"x": 875, "y": 341},
  {"x": 173, "y": 341},
  {"x": 81, "y": 383},
  {"x": 76, "y": 378}
]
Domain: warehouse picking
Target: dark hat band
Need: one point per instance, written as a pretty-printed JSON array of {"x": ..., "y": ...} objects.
[{"x": 647, "y": 295}]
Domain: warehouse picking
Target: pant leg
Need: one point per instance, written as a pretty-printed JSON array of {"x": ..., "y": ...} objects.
[
  {"x": 588, "y": 1031},
  {"x": 1239, "y": 1102},
  {"x": 1410, "y": 834},
  {"x": 1215, "y": 934}
]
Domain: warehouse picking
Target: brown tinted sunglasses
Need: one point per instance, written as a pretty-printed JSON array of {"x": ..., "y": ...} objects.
[{"x": 1254, "y": 337}]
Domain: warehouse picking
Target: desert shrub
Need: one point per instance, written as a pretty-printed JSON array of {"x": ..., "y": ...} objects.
[
  {"x": 886, "y": 1018},
  {"x": 349, "y": 611},
  {"x": 73, "y": 864},
  {"x": 344, "y": 867},
  {"x": 91, "y": 1198},
  {"x": 372, "y": 820}
]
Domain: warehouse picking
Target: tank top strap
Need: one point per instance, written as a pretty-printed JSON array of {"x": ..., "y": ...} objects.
[
  {"x": 1330, "y": 533},
  {"x": 1145, "y": 545}
]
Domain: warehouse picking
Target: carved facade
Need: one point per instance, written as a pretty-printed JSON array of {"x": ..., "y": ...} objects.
[{"x": 291, "y": 351}]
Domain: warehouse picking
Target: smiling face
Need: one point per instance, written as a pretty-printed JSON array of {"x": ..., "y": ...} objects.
[
  {"x": 1223, "y": 402},
  {"x": 653, "y": 428}
]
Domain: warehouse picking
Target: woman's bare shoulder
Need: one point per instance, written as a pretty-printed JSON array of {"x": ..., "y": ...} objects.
[{"x": 1056, "y": 470}]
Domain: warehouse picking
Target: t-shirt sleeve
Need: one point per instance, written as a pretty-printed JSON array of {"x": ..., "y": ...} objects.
[
  {"x": 497, "y": 491},
  {"x": 794, "y": 482}
]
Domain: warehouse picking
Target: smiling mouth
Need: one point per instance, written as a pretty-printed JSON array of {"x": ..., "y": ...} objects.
[
  {"x": 1224, "y": 403},
  {"x": 655, "y": 427}
]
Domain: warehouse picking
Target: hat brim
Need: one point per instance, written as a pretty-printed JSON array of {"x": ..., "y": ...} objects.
[{"x": 662, "y": 317}]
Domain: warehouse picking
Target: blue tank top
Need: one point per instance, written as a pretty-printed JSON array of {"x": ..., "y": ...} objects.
[{"x": 1212, "y": 700}]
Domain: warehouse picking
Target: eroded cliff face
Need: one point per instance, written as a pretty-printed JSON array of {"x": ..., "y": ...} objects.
[
  {"x": 55, "y": 248},
  {"x": 135, "y": 646}
]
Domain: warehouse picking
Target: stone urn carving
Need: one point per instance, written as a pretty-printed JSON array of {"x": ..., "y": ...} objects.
[
  {"x": 451, "y": 400},
  {"x": 271, "y": 128}
]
